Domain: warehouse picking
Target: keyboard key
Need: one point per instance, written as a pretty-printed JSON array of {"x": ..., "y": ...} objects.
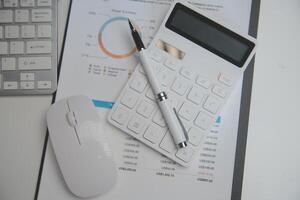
[
  {"x": 138, "y": 83},
  {"x": 154, "y": 133},
  {"x": 195, "y": 136},
  {"x": 196, "y": 95},
  {"x": 28, "y": 31},
  {"x": 22, "y": 16},
  {"x": 8, "y": 64},
  {"x": 34, "y": 63},
  {"x": 11, "y": 32},
  {"x": 3, "y": 48},
  {"x": 165, "y": 76},
  {"x": 211, "y": 105},
  {"x": 38, "y": 47},
  {"x": 145, "y": 109},
  {"x": 26, "y": 76},
  {"x": 172, "y": 64},
  {"x": 225, "y": 79},
  {"x": 203, "y": 121},
  {"x": 120, "y": 115},
  {"x": 187, "y": 73},
  {"x": 156, "y": 56},
  {"x": 168, "y": 144},
  {"x": 136, "y": 124},
  {"x": 28, "y": 85},
  {"x": 159, "y": 119},
  {"x": 44, "y": 2},
  {"x": 41, "y": 15},
  {"x": 129, "y": 99},
  {"x": 1, "y": 32},
  {"x": 220, "y": 91},
  {"x": 44, "y": 84},
  {"x": 203, "y": 82},
  {"x": 27, "y": 3},
  {"x": 188, "y": 111},
  {"x": 10, "y": 3},
  {"x": 10, "y": 85},
  {"x": 16, "y": 47},
  {"x": 6, "y": 16},
  {"x": 180, "y": 86},
  {"x": 185, "y": 154},
  {"x": 44, "y": 31}
]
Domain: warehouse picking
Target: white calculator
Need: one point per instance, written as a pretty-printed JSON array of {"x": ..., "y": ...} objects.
[{"x": 198, "y": 61}]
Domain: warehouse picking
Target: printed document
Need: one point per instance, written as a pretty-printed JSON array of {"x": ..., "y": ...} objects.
[{"x": 99, "y": 57}]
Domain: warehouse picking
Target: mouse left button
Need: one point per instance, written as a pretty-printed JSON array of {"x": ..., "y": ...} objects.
[{"x": 71, "y": 118}]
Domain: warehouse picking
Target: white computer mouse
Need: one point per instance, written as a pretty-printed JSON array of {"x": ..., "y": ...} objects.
[{"x": 81, "y": 148}]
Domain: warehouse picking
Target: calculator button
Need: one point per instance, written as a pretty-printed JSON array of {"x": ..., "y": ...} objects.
[
  {"x": 171, "y": 64},
  {"x": 220, "y": 91},
  {"x": 180, "y": 86},
  {"x": 145, "y": 109},
  {"x": 187, "y": 73},
  {"x": 195, "y": 136},
  {"x": 196, "y": 95},
  {"x": 28, "y": 85},
  {"x": 150, "y": 94},
  {"x": 120, "y": 115},
  {"x": 157, "y": 57},
  {"x": 165, "y": 76},
  {"x": 129, "y": 99},
  {"x": 225, "y": 79},
  {"x": 138, "y": 83},
  {"x": 159, "y": 119},
  {"x": 174, "y": 101},
  {"x": 168, "y": 144},
  {"x": 185, "y": 154},
  {"x": 154, "y": 133},
  {"x": 10, "y": 85},
  {"x": 211, "y": 105},
  {"x": 188, "y": 111},
  {"x": 203, "y": 82},
  {"x": 26, "y": 76},
  {"x": 203, "y": 121},
  {"x": 137, "y": 124}
]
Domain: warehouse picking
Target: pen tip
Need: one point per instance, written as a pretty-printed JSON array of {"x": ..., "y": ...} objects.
[{"x": 130, "y": 24}]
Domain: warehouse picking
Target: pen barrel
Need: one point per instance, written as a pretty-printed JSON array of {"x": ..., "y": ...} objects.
[
  {"x": 172, "y": 122},
  {"x": 151, "y": 76},
  {"x": 175, "y": 128}
]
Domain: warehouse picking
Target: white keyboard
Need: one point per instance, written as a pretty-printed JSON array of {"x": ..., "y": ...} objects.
[
  {"x": 28, "y": 47},
  {"x": 196, "y": 99}
]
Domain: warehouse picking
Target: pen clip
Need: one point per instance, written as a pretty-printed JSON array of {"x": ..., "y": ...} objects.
[{"x": 181, "y": 124}]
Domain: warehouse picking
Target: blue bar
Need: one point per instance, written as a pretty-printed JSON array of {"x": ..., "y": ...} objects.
[{"x": 103, "y": 104}]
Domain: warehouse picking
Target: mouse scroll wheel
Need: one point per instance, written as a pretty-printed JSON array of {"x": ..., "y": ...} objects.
[{"x": 71, "y": 118}]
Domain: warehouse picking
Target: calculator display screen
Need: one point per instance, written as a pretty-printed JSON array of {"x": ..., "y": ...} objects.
[{"x": 210, "y": 35}]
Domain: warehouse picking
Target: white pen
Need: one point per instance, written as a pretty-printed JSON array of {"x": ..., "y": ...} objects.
[{"x": 169, "y": 113}]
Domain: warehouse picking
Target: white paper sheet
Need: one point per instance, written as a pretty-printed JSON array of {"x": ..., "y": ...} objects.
[{"x": 96, "y": 72}]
